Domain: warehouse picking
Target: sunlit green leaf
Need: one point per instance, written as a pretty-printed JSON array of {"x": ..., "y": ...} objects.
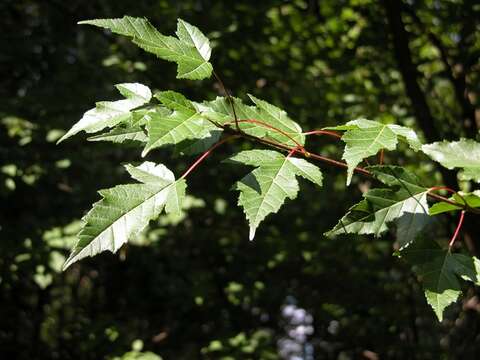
[
  {"x": 183, "y": 123},
  {"x": 365, "y": 138},
  {"x": 265, "y": 189},
  {"x": 191, "y": 50},
  {"x": 463, "y": 154},
  {"x": 110, "y": 113},
  {"x": 125, "y": 210}
]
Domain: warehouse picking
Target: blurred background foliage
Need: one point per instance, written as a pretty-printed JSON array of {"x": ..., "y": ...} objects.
[{"x": 197, "y": 288}]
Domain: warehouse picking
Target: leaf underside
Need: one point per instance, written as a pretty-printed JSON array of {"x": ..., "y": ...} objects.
[
  {"x": 125, "y": 210},
  {"x": 108, "y": 114},
  {"x": 463, "y": 154},
  {"x": 440, "y": 272},
  {"x": 405, "y": 202}
]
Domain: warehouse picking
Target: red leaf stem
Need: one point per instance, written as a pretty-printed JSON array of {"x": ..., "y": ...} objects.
[
  {"x": 457, "y": 230},
  {"x": 206, "y": 154}
]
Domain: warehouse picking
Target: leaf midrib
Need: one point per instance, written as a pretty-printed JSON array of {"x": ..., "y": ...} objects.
[
  {"x": 122, "y": 216},
  {"x": 268, "y": 190}
]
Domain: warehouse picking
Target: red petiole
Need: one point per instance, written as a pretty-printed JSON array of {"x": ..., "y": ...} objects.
[
  {"x": 323, "y": 132},
  {"x": 457, "y": 230},
  {"x": 205, "y": 155}
]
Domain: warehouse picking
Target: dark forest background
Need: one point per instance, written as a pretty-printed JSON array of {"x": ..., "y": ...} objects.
[{"x": 197, "y": 288}]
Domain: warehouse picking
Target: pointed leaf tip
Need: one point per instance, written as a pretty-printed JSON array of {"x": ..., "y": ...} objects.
[
  {"x": 251, "y": 235},
  {"x": 264, "y": 190}
]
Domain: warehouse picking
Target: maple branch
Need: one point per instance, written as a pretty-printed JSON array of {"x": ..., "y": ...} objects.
[
  {"x": 363, "y": 171},
  {"x": 306, "y": 154},
  {"x": 293, "y": 151}
]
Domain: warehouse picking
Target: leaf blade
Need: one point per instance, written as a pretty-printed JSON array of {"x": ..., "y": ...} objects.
[
  {"x": 110, "y": 113},
  {"x": 191, "y": 50},
  {"x": 463, "y": 154},
  {"x": 125, "y": 210},
  {"x": 440, "y": 271}
]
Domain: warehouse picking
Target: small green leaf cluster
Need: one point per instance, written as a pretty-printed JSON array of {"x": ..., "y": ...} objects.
[{"x": 168, "y": 118}]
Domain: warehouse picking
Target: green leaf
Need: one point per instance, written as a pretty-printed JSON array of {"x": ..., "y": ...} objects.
[
  {"x": 471, "y": 199},
  {"x": 464, "y": 154},
  {"x": 110, "y": 113},
  {"x": 413, "y": 221},
  {"x": 132, "y": 128},
  {"x": 122, "y": 134},
  {"x": 175, "y": 101},
  {"x": 306, "y": 170},
  {"x": 363, "y": 143},
  {"x": 406, "y": 133},
  {"x": 255, "y": 157},
  {"x": 149, "y": 172},
  {"x": 440, "y": 271},
  {"x": 175, "y": 197},
  {"x": 365, "y": 138},
  {"x": 191, "y": 50},
  {"x": 182, "y": 124},
  {"x": 220, "y": 111},
  {"x": 355, "y": 124},
  {"x": 125, "y": 210},
  {"x": 265, "y": 189},
  {"x": 405, "y": 202}
]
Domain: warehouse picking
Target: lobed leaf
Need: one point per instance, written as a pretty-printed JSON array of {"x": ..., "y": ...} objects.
[
  {"x": 440, "y": 271},
  {"x": 125, "y": 210},
  {"x": 149, "y": 172},
  {"x": 464, "y": 154},
  {"x": 220, "y": 110},
  {"x": 405, "y": 202},
  {"x": 121, "y": 135},
  {"x": 190, "y": 50},
  {"x": 183, "y": 123},
  {"x": 204, "y": 141},
  {"x": 365, "y": 138},
  {"x": 110, "y": 113},
  {"x": 264, "y": 190},
  {"x": 363, "y": 143},
  {"x": 279, "y": 119}
]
